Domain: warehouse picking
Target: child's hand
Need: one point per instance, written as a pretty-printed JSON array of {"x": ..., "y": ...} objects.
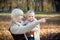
[{"x": 42, "y": 20}]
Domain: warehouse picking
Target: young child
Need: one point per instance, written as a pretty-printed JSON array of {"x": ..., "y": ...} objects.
[{"x": 34, "y": 34}]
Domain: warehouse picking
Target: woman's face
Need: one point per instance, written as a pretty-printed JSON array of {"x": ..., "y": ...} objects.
[
  {"x": 30, "y": 17},
  {"x": 20, "y": 18}
]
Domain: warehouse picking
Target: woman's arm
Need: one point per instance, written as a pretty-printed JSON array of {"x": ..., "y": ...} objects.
[{"x": 16, "y": 29}]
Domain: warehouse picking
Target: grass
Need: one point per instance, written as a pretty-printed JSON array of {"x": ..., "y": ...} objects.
[
  {"x": 5, "y": 14},
  {"x": 37, "y": 14}
]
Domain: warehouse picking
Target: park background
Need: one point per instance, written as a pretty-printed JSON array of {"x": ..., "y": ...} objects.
[{"x": 43, "y": 8}]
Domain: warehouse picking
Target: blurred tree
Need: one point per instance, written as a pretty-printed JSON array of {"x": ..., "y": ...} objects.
[
  {"x": 37, "y": 5},
  {"x": 24, "y": 4}
]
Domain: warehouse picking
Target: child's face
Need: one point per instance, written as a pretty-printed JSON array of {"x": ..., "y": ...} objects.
[
  {"x": 30, "y": 17},
  {"x": 20, "y": 18}
]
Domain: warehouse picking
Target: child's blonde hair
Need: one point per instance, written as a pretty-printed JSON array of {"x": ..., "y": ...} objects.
[{"x": 31, "y": 12}]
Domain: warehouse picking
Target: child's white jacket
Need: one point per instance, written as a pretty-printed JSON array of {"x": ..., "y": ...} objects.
[{"x": 36, "y": 30}]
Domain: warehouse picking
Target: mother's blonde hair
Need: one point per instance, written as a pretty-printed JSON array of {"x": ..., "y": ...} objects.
[{"x": 14, "y": 14}]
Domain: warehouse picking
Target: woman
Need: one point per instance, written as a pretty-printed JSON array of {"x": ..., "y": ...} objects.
[{"x": 17, "y": 28}]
